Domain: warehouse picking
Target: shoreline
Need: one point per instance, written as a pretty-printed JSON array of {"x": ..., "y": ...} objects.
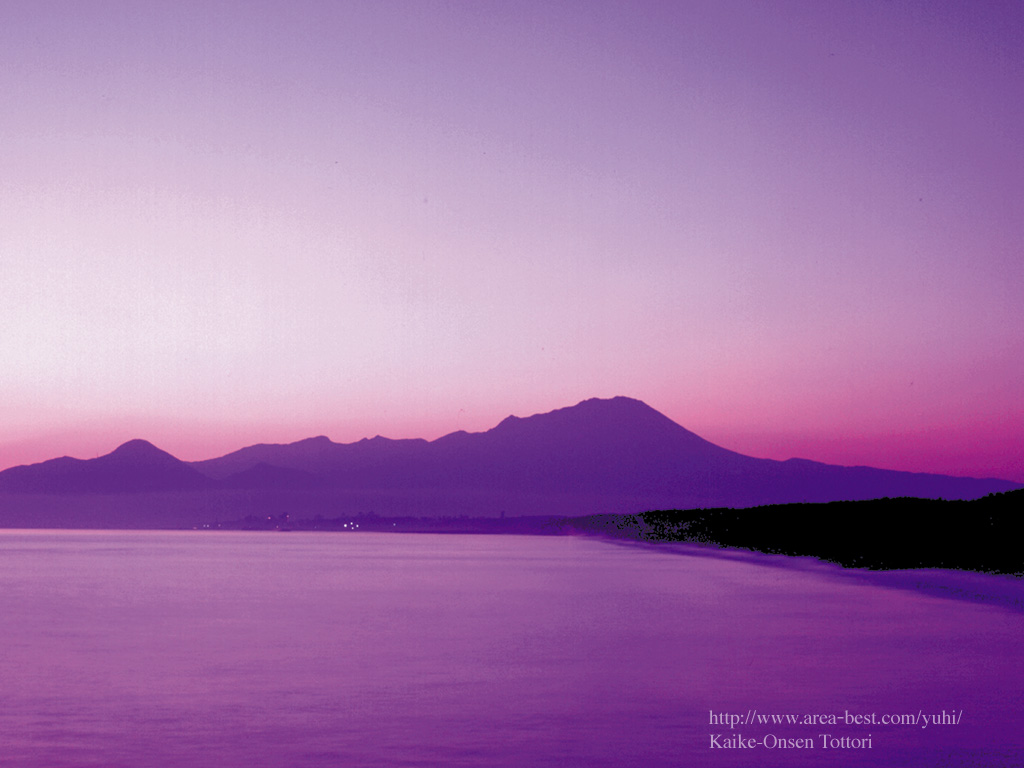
[{"x": 993, "y": 589}]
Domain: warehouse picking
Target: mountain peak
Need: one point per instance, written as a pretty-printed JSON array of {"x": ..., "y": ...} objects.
[
  {"x": 593, "y": 406},
  {"x": 137, "y": 466},
  {"x": 617, "y": 421},
  {"x": 137, "y": 449},
  {"x": 597, "y": 410},
  {"x": 618, "y": 404},
  {"x": 321, "y": 442}
]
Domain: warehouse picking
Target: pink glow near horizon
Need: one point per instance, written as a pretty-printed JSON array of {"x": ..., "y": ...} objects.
[{"x": 794, "y": 228}]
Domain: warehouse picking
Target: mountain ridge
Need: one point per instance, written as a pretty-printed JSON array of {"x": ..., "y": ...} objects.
[{"x": 614, "y": 455}]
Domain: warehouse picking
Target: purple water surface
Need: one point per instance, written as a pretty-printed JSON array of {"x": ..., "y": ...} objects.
[{"x": 259, "y": 649}]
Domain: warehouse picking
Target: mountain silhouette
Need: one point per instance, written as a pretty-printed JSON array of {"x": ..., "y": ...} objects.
[
  {"x": 616, "y": 454},
  {"x": 600, "y": 456},
  {"x": 134, "y": 467}
]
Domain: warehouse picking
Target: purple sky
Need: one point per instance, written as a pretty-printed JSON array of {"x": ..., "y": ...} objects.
[{"x": 796, "y": 228}]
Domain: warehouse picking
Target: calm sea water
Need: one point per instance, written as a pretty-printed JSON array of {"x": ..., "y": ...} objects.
[{"x": 258, "y": 649}]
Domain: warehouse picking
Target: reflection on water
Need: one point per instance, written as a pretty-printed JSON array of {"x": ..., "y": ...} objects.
[{"x": 258, "y": 649}]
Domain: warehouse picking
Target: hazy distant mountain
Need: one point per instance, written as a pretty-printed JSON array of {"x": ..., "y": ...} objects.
[
  {"x": 600, "y": 456},
  {"x": 560, "y": 450},
  {"x": 620, "y": 450},
  {"x": 316, "y": 456},
  {"x": 267, "y": 476},
  {"x": 135, "y": 467}
]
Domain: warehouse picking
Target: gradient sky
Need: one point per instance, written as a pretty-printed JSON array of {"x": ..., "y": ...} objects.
[{"x": 795, "y": 228}]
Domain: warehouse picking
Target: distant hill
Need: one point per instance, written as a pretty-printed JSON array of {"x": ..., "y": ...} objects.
[
  {"x": 621, "y": 451},
  {"x": 600, "y": 456},
  {"x": 135, "y": 467}
]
